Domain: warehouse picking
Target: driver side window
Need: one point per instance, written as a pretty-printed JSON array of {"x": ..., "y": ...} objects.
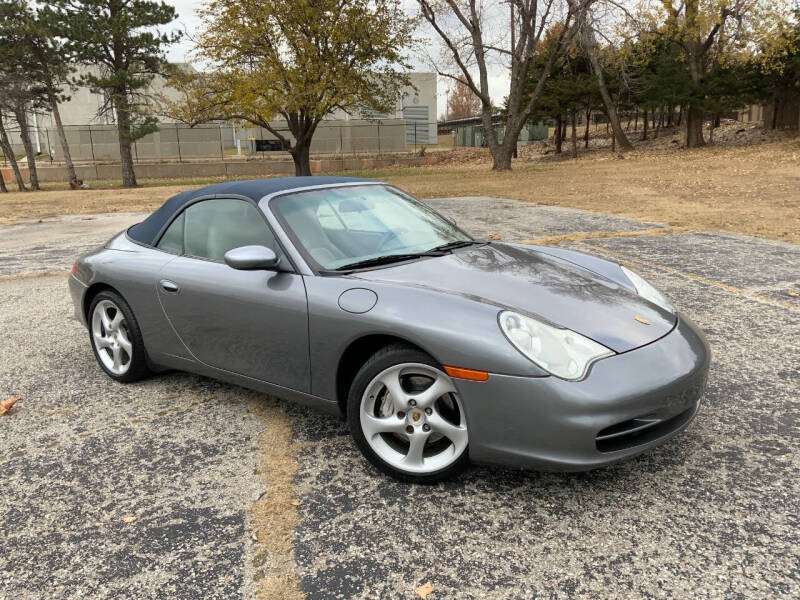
[{"x": 210, "y": 228}]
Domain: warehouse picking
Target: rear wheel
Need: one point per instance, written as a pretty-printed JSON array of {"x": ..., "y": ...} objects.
[
  {"x": 116, "y": 339},
  {"x": 406, "y": 417}
]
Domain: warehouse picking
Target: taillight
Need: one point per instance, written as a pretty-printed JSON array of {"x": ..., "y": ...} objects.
[{"x": 74, "y": 268}]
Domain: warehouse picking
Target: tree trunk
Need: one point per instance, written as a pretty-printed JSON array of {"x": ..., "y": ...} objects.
[
  {"x": 125, "y": 138},
  {"x": 658, "y": 124},
  {"x": 644, "y": 125},
  {"x": 301, "y": 154},
  {"x": 9, "y": 152},
  {"x": 501, "y": 153},
  {"x": 574, "y": 134},
  {"x": 775, "y": 106},
  {"x": 3, "y": 188},
  {"x": 680, "y": 115},
  {"x": 501, "y": 159},
  {"x": 24, "y": 134},
  {"x": 74, "y": 182},
  {"x": 557, "y": 135},
  {"x": 636, "y": 121},
  {"x": 586, "y": 133},
  {"x": 694, "y": 127}
]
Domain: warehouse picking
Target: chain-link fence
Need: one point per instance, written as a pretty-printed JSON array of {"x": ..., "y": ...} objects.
[{"x": 224, "y": 141}]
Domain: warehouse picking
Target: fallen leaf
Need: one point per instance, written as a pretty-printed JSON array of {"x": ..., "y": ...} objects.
[
  {"x": 424, "y": 590},
  {"x": 128, "y": 519},
  {"x": 493, "y": 236},
  {"x": 296, "y": 503},
  {"x": 794, "y": 294},
  {"x": 6, "y": 404}
]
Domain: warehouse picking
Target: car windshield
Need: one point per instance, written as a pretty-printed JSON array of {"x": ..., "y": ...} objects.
[{"x": 340, "y": 227}]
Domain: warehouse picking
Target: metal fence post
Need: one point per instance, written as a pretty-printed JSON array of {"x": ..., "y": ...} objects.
[
  {"x": 178, "y": 138},
  {"x": 379, "y": 138},
  {"x": 221, "y": 147},
  {"x": 341, "y": 143},
  {"x": 91, "y": 145},
  {"x": 49, "y": 149},
  {"x": 415, "y": 136}
]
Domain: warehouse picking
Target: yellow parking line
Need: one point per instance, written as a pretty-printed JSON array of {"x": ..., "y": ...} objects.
[
  {"x": 580, "y": 236},
  {"x": 625, "y": 259}
]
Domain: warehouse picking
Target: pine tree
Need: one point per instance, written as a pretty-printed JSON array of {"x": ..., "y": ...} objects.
[{"x": 120, "y": 38}]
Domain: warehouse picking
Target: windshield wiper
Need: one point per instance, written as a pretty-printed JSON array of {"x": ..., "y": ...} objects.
[
  {"x": 392, "y": 258},
  {"x": 453, "y": 245},
  {"x": 385, "y": 260}
]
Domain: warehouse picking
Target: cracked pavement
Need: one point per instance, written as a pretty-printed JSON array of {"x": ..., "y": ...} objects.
[{"x": 711, "y": 514}]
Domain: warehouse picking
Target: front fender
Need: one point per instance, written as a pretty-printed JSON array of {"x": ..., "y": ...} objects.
[{"x": 455, "y": 330}]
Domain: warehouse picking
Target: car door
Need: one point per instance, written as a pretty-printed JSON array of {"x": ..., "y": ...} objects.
[{"x": 253, "y": 323}]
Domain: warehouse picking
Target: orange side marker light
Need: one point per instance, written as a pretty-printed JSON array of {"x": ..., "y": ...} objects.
[{"x": 470, "y": 374}]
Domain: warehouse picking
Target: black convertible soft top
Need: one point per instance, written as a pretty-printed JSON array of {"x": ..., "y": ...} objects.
[{"x": 255, "y": 189}]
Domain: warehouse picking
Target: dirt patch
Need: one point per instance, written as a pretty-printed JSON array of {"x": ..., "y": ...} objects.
[
  {"x": 275, "y": 514},
  {"x": 16, "y": 276}
]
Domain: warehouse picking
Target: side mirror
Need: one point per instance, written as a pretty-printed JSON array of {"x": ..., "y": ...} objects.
[{"x": 252, "y": 258}]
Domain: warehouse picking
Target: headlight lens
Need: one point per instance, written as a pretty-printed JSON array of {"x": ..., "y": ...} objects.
[
  {"x": 562, "y": 352},
  {"x": 647, "y": 291}
]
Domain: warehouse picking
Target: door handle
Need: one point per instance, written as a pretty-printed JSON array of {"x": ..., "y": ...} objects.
[{"x": 169, "y": 286}]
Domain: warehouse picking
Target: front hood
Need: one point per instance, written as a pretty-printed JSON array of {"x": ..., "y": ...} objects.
[{"x": 532, "y": 282}]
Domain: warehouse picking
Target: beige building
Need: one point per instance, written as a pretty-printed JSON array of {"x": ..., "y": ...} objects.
[{"x": 417, "y": 106}]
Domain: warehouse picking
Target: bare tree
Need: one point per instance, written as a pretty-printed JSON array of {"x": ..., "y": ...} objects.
[
  {"x": 472, "y": 42},
  {"x": 590, "y": 45}
]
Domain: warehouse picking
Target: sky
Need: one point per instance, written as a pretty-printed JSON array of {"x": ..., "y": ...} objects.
[{"x": 188, "y": 22}]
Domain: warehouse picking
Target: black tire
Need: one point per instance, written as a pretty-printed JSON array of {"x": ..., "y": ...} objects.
[
  {"x": 138, "y": 368},
  {"x": 383, "y": 359}
]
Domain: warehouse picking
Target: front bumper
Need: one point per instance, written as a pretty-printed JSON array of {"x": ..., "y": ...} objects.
[{"x": 627, "y": 404}]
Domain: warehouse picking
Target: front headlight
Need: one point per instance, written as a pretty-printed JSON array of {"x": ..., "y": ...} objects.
[
  {"x": 647, "y": 291},
  {"x": 562, "y": 352}
]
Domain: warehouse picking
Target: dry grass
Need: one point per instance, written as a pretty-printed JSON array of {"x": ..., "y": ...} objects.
[{"x": 752, "y": 188}]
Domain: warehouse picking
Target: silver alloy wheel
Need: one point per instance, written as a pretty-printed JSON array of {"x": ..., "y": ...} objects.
[
  {"x": 419, "y": 430},
  {"x": 110, "y": 337}
]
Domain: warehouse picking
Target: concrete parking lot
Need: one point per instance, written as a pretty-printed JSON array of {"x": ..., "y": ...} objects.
[{"x": 182, "y": 487}]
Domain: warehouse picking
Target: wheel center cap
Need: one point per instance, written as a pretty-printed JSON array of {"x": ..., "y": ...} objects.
[{"x": 416, "y": 416}]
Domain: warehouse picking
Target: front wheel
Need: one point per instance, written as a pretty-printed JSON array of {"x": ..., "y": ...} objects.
[{"x": 406, "y": 417}]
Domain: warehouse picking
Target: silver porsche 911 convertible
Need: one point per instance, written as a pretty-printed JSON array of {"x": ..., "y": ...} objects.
[{"x": 350, "y": 295}]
